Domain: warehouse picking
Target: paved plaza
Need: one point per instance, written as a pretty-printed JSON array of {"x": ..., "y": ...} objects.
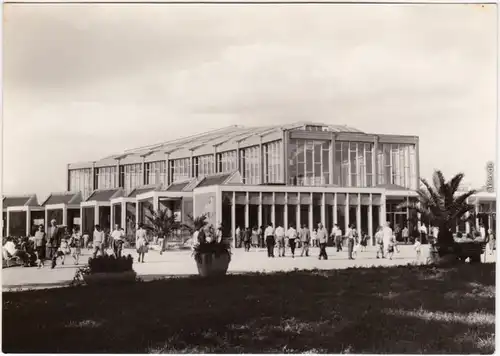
[{"x": 181, "y": 263}]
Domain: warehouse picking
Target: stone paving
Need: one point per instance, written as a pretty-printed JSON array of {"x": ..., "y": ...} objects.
[{"x": 178, "y": 263}]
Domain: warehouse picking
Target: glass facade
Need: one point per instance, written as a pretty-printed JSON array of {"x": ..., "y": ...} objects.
[
  {"x": 81, "y": 180},
  {"x": 397, "y": 164},
  {"x": 309, "y": 162},
  {"x": 250, "y": 165},
  {"x": 105, "y": 177},
  {"x": 227, "y": 162},
  {"x": 353, "y": 165},
  {"x": 180, "y": 169},
  {"x": 155, "y": 172},
  {"x": 204, "y": 165},
  {"x": 272, "y": 162},
  {"x": 132, "y": 176}
]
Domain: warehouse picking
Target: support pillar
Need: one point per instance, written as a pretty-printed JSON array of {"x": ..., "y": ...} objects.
[
  {"x": 155, "y": 202},
  {"x": 285, "y": 211},
  {"x": 46, "y": 222},
  {"x": 28, "y": 222},
  {"x": 112, "y": 217},
  {"x": 123, "y": 216},
  {"x": 65, "y": 215},
  {"x": 96, "y": 215},
  {"x": 382, "y": 214},
  {"x": 335, "y": 216},
  {"x": 323, "y": 210},
  {"x": 331, "y": 159},
  {"x": 137, "y": 206},
  {"x": 233, "y": 219},
  {"x": 247, "y": 210},
  {"x": 311, "y": 222},
  {"x": 81, "y": 221},
  {"x": 346, "y": 213},
  {"x": 273, "y": 211},
  {"x": 298, "y": 211},
  {"x": 8, "y": 222},
  {"x": 370, "y": 220},
  {"x": 476, "y": 209},
  {"x": 358, "y": 215},
  {"x": 260, "y": 211}
]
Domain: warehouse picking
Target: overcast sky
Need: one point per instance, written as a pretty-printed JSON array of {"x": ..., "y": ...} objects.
[{"x": 85, "y": 81}]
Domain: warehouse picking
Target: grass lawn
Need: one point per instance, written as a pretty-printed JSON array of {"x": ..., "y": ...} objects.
[{"x": 365, "y": 310}]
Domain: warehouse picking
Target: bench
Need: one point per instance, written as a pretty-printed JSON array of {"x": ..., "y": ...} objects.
[{"x": 470, "y": 249}]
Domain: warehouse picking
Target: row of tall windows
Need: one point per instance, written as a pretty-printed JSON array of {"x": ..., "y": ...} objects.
[
  {"x": 155, "y": 172},
  {"x": 204, "y": 165},
  {"x": 180, "y": 169},
  {"x": 353, "y": 165},
  {"x": 250, "y": 165},
  {"x": 272, "y": 162},
  {"x": 105, "y": 177},
  {"x": 227, "y": 162},
  {"x": 80, "y": 180},
  {"x": 397, "y": 164},
  {"x": 309, "y": 162}
]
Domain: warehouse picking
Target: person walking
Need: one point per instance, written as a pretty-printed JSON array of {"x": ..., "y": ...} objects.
[
  {"x": 141, "y": 242},
  {"x": 98, "y": 241},
  {"x": 406, "y": 234},
  {"x": 351, "y": 236},
  {"x": 390, "y": 247},
  {"x": 423, "y": 233},
  {"x": 86, "y": 238},
  {"x": 387, "y": 237},
  {"x": 269, "y": 232},
  {"x": 418, "y": 248},
  {"x": 322, "y": 237},
  {"x": 292, "y": 236},
  {"x": 262, "y": 241},
  {"x": 280, "y": 241},
  {"x": 255, "y": 237},
  {"x": 75, "y": 245},
  {"x": 305, "y": 237},
  {"x": 314, "y": 237},
  {"x": 247, "y": 238},
  {"x": 492, "y": 241},
  {"x": 237, "y": 236},
  {"x": 337, "y": 232},
  {"x": 39, "y": 242},
  {"x": 53, "y": 242},
  {"x": 379, "y": 241}
]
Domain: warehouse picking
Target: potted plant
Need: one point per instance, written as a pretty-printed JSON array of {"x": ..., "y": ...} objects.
[
  {"x": 162, "y": 224},
  {"x": 107, "y": 270},
  {"x": 212, "y": 256},
  {"x": 442, "y": 205}
]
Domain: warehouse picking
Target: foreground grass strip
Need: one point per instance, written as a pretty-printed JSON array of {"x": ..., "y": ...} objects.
[{"x": 411, "y": 309}]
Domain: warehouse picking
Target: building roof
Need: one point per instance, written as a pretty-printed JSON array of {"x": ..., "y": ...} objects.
[
  {"x": 63, "y": 198},
  {"x": 178, "y": 186},
  {"x": 216, "y": 179},
  {"x": 19, "y": 200},
  {"x": 392, "y": 187},
  {"x": 230, "y": 135},
  {"x": 144, "y": 189},
  {"x": 105, "y": 194}
]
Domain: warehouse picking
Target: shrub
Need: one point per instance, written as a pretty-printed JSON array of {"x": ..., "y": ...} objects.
[
  {"x": 110, "y": 264},
  {"x": 213, "y": 248}
]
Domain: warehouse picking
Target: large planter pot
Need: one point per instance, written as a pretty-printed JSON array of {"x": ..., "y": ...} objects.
[
  {"x": 106, "y": 278},
  {"x": 210, "y": 264}
]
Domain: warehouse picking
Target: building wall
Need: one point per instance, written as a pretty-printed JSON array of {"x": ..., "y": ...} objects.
[{"x": 206, "y": 204}]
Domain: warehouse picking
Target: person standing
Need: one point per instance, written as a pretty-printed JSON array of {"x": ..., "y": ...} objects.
[
  {"x": 39, "y": 242},
  {"x": 492, "y": 241},
  {"x": 53, "y": 242},
  {"x": 305, "y": 236},
  {"x": 255, "y": 237},
  {"x": 116, "y": 236},
  {"x": 418, "y": 248},
  {"x": 260, "y": 232},
  {"x": 280, "y": 240},
  {"x": 322, "y": 238},
  {"x": 292, "y": 236},
  {"x": 314, "y": 237},
  {"x": 269, "y": 232},
  {"x": 75, "y": 245},
  {"x": 423, "y": 233},
  {"x": 86, "y": 238},
  {"x": 247, "y": 238},
  {"x": 406, "y": 234},
  {"x": 237, "y": 236},
  {"x": 219, "y": 234},
  {"x": 141, "y": 242},
  {"x": 98, "y": 241},
  {"x": 351, "y": 236}
]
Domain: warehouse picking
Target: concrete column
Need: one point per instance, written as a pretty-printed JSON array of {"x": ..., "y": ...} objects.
[
  {"x": 382, "y": 215},
  {"x": 28, "y": 222},
  {"x": 65, "y": 215},
  {"x": 358, "y": 215},
  {"x": 156, "y": 203},
  {"x": 238, "y": 158},
  {"x": 215, "y": 160},
  {"x": 311, "y": 222},
  {"x": 260, "y": 210},
  {"x": 370, "y": 220},
  {"x": 335, "y": 217},
  {"x": 137, "y": 215},
  {"x": 96, "y": 215},
  {"x": 323, "y": 209},
  {"x": 331, "y": 157},
  {"x": 92, "y": 173},
  {"x": 283, "y": 160},
  {"x": 261, "y": 163},
  {"x": 117, "y": 174},
  {"x": 112, "y": 217},
  {"x": 167, "y": 170},
  {"x": 8, "y": 222},
  {"x": 476, "y": 209},
  {"x": 349, "y": 180},
  {"x": 273, "y": 210},
  {"x": 285, "y": 211},
  {"x": 123, "y": 216},
  {"x": 247, "y": 210},
  {"x": 81, "y": 220},
  {"x": 68, "y": 185},
  {"x": 346, "y": 213},
  {"x": 46, "y": 222},
  {"x": 298, "y": 210},
  {"x": 375, "y": 181},
  {"x": 233, "y": 219}
]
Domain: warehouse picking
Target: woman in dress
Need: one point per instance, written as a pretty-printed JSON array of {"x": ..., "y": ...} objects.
[
  {"x": 141, "y": 243},
  {"x": 64, "y": 246},
  {"x": 255, "y": 237},
  {"x": 314, "y": 237}
]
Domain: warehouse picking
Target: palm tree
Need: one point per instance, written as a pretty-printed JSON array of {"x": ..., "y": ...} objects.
[
  {"x": 442, "y": 205},
  {"x": 195, "y": 223},
  {"x": 161, "y": 222}
]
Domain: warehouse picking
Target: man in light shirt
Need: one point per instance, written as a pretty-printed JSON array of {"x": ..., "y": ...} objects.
[
  {"x": 322, "y": 236},
  {"x": 292, "y": 236},
  {"x": 387, "y": 236},
  {"x": 337, "y": 235},
  {"x": 305, "y": 236},
  {"x": 269, "y": 234},
  {"x": 423, "y": 233},
  {"x": 280, "y": 238},
  {"x": 98, "y": 241},
  {"x": 117, "y": 239}
]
